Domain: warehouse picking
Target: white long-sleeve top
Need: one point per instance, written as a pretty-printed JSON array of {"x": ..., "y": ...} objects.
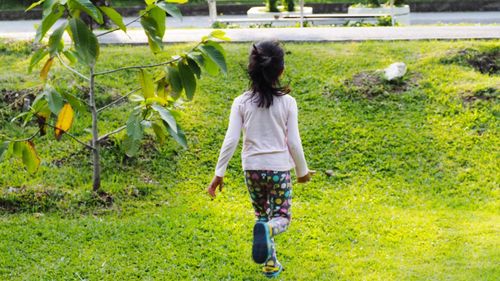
[{"x": 271, "y": 139}]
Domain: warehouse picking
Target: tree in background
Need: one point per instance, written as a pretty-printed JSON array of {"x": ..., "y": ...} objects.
[
  {"x": 272, "y": 5},
  {"x": 153, "y": 101},
  {"x": 289, "y": 5}
]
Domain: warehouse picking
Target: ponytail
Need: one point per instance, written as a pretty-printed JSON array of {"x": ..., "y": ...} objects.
[{"x": 266, "y": 63}]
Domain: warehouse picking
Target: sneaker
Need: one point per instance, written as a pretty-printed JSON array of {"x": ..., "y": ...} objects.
[
  {"x": 271, "y": 269},
  {"x": 262, "y": 245}
]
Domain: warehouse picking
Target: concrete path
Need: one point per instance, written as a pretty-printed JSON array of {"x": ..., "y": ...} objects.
[
  {"x": 137, "y": 36},
  {"x": 204, "y": 21}
]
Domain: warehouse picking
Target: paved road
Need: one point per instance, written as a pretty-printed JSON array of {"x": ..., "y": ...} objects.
[
  {"x": 204, "y": 22},
  {"x": 193, "y": 28},
  {"x": 137, "y": 36}
]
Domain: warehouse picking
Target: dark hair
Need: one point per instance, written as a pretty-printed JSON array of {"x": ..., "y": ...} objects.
[{"x": 265, "y": 65}]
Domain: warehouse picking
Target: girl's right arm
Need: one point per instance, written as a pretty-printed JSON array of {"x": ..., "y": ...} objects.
[
  {"x": 295, "y": 144},
  {"x": 228, "y": 147}
]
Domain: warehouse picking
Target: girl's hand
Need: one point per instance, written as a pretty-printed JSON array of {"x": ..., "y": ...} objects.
[
  {"x": 307, "y": 177},
  {"x": 216, "y": 182}
]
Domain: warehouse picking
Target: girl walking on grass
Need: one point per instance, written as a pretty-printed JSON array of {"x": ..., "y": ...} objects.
[{"x": 267, "y": 114}]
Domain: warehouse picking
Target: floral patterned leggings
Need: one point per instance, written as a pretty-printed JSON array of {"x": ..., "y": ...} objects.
[{"x": 271, "y": 194}]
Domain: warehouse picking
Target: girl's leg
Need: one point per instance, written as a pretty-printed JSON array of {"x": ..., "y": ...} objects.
[
  {"x": 257, "y": 183},
  {"x": 280, "y": 201},
  {"x": 257, "y": 187}
]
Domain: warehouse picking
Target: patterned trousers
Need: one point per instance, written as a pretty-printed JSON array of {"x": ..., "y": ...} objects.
[{"x": 271, "y": 194}]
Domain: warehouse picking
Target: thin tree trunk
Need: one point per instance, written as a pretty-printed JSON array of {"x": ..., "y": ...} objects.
[{"x": 96, "y": 178}]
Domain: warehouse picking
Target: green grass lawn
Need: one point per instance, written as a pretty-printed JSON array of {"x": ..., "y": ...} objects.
[{"x": 414, "y": 194}]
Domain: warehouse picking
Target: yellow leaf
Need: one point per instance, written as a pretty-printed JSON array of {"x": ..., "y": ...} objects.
[
  {"x": 64, "y": 120},
  {"x": 45, "y": 70}
]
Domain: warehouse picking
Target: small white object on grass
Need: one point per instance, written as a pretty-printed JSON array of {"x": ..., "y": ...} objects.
[{"x": 394, "y": 71}]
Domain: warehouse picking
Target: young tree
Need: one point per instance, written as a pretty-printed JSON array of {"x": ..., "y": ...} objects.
[{"x": 153, "y": 107}]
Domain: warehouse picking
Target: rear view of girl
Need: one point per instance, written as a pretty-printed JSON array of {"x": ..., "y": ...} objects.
[{"x": 271, "y": 148}]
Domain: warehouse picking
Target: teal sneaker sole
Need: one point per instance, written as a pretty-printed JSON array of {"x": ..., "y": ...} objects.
[{"x": 261, "y": 249}]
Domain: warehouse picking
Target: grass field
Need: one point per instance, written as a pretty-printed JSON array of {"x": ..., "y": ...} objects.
[{"x": 414, "y": 193}]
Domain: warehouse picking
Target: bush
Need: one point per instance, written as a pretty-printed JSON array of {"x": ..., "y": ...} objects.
[
  {"x": 289, "y": 5},
  {"x": 272, "y": 5}
]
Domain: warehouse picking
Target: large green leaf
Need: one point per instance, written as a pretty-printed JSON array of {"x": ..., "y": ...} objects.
[
  {"x": 159, "y": 17},
  {"x": 188, "y": 80},
  {"x": 55, "y": 44},
  {"x": 70, "y": 55},
  {"x": 201, "y": 62},
  {"x": 86, "y": 44},
  {"x": 166, "y": 116},
  {"x": 151, "y": 30},
  {"x": 209, "y": 65},
  {"x": 48, "y": 5},
  {"x": 134, "y": 126},
  {"x": 132, "y": 140},
  {"x": 179, "y": 137},
  {"x": 171, "y": 9},
  {"x": 87, "y": 7},
  {"x": 115, "y": 17},
  {"x": 48, "y": 21},
  {"x": 30, "y": 157},
  {"x": 37, "y": 57},
  {"x": 211, "y": 51},
  {"x": 195, "y": 68},
  {"x": 175, "y": 81},
  {"x": 131, "y": 146},
  {"x": 54, "y": 100}
]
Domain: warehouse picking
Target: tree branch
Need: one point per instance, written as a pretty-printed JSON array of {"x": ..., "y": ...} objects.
[
  {"x": 116, "y": 29},
  {"x": 70, "y": 135},
  {"x": 26, "y": 139},
  {"x": 118, "y": 100},
  {"x": 137, "y": 67},
  {"x": 145, "y": 66},
  {"x": 105, "y": 136},
  {"x": 72, "y": 69}
]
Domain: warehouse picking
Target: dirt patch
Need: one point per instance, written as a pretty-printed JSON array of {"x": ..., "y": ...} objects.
[
  {"x": 18, "y": 99},
  {"x": 41, "y": 200},
  {"x": 16, "y": 199},
  {"x": 486, "y": 62},
  {"x": 371, "y": 84},
  {"x": 485, "y": 94}
]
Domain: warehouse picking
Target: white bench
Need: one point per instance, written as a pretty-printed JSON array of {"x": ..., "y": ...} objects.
[{"x": 297, "y": 18}]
